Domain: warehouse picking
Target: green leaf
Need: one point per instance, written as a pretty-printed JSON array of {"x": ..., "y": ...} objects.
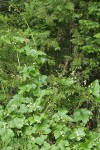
[
  {"x": 54, "y": 147},
  {"x": 1, "y": 112},
  {"x": 23, "y": 108},
  {"x": 95, "y": 88},
  {"x": 27, "y": 88},
  {"x": 19, "y": 39},
  {"x": 61, "y": 144},
  {"x": 70, "y": 6},
  {"x": 78, "y": 134},
  {"x": 62, "y": 113},
  {"x": 82, "y": 115},
  {"x": 43, "y": 79},
  {"x": 7, "y": 148},
  {"x": 57, "y": 134},
  {"x": 6, "y": 134},
  {"x": 40, "y": 140},
  {"x": 46, "y": 146},
  {"x": 28, "y": 131},
  {"x": 16, "y": 123},
  {"x": 46, "y": 129}
]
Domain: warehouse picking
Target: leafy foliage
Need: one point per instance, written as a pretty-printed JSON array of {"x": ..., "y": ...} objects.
[{"x": 49, "y": 76}]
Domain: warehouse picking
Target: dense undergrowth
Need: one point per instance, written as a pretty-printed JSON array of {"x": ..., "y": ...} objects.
[{"x": 49, "y": 75}]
